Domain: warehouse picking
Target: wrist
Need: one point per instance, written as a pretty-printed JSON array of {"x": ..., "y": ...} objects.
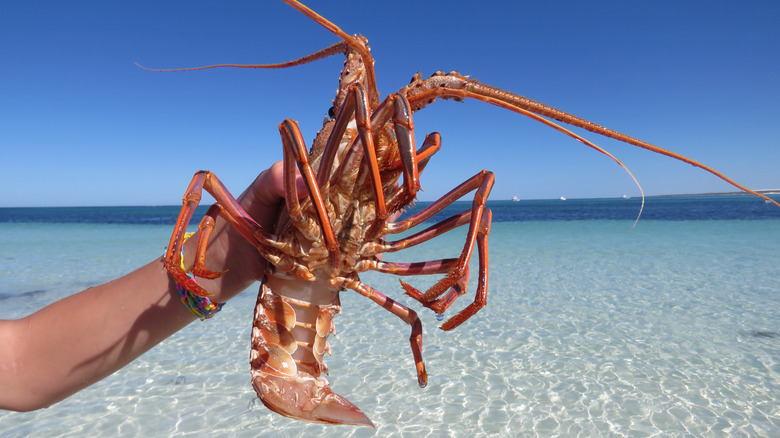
[
  {"x": 231, "y": 263},
  {"x": 227, "y": 250}
]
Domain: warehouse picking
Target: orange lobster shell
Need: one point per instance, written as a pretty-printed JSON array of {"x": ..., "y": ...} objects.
[{"x": 362, "y": 171}]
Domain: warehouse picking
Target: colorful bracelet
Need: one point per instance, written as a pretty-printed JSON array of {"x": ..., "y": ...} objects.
[{"x": 202, "y": 307}]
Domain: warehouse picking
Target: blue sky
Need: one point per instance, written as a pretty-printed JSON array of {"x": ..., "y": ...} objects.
[{"x": 80, "y": 124}]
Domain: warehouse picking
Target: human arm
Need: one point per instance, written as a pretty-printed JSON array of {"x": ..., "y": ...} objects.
[{"x": 79, "y": 340}]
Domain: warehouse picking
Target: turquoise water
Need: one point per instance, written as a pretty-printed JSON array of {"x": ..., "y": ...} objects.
[{"x": 591, "y": 329}]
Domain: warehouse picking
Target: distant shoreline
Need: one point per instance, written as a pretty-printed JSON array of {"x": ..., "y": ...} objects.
[
  {"x": 763, "y": 192},
  {"x": 677, "y": 195}
]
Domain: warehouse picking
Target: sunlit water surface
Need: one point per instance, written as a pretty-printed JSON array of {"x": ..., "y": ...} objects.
[{"x": 672, "y": 329}]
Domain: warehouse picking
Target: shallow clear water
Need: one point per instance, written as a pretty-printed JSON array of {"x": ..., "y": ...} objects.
[{"x": 672, "y": 329}]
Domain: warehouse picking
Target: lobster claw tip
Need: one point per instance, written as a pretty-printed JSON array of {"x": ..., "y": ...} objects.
[
  {"x": 308, "y": 399},
  {"x": 410, "y": 290}
]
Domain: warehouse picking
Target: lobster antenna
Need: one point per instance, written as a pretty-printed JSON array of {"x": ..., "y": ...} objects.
[
  {"x": 582, "y": 140},
  {"x": 339, "y": 47},
  {"x": 349, "y": 42},
  {"x": 358, "y": 44},
  {"x": 481, "y": 91}
]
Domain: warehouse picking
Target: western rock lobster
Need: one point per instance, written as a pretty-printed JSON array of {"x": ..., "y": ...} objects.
[{"x": 362, "y": 170}]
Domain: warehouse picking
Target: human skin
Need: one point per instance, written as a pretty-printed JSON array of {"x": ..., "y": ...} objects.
[{"x": 79, "y": 340}]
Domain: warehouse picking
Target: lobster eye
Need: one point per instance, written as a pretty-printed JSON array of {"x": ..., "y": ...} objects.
[{"x": 331, "y": 113}]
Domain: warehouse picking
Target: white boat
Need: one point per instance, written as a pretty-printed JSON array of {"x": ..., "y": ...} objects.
[
  {"x": 624, "y": 196},
  {"x": 515, "y": 198},
  {"x": 562, "y": 198}
]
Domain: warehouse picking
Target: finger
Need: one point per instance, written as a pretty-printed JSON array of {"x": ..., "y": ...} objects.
[{"x": 276, "y": 176}]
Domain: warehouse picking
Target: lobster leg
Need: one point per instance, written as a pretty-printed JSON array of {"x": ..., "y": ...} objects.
[
  {"x": 408, "y": 315},
  {"x": 295, "y": 153},
  {"x": 430, "y": 232},
  {"x": 485, "y": 179},
  {"x": 431, "y": 145},
  {"x": 457, "y": 270},
  {"x": 459, "y": 286},
  {"x": 354, "y": 104},
  {"x": 481, "y": 178},
  {"x": 401, "y": 116},
  {"x": 403, "y": 127},
  {"x": 227, "y": 207},
  {"x": 480, "y": 298},
  {"x": 205, "y": 228},
  {"x": 430, "y": 267},
  {"x": 357, "y": 106},
  {"x": 454, "y": 282}
]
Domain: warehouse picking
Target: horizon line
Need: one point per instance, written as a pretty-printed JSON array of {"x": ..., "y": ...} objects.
[{"x": 671, "y": 195}]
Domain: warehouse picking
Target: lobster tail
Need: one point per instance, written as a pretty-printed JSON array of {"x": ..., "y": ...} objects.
[
  {"x": 306, "y": 398},
  {"x": 289, "y": 386}
]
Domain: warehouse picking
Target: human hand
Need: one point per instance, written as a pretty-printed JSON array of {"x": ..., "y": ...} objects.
[{"x": 228, "y": 251}]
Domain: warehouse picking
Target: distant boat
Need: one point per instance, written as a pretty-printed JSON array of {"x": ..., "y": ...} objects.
[
  {"x": 515, "y": 198},
  {"x": 562, "y": 198},
  {"x": 624, "y": 196}
]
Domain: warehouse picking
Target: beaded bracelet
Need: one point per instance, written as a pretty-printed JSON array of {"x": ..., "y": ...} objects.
[{"x": 202, "y": 307}]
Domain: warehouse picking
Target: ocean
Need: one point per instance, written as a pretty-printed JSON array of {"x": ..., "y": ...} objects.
[{"x": 593, "y": 327}]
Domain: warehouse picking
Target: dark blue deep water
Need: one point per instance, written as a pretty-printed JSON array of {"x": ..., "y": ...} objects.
[{"x": 684, "y": 208}]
